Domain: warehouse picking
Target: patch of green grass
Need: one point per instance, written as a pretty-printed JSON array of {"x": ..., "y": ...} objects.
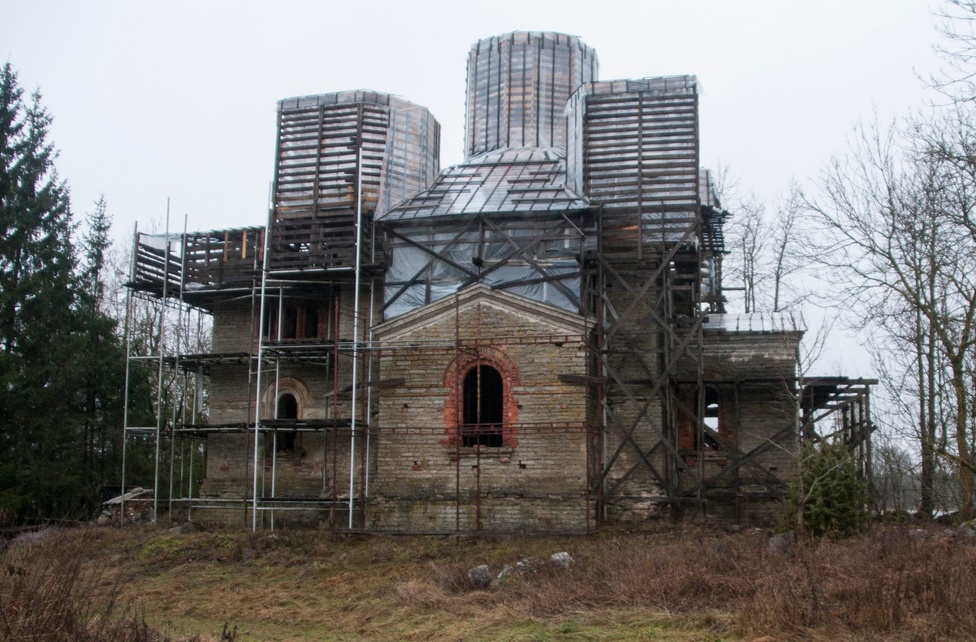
[{"x": 165, "y": 550}]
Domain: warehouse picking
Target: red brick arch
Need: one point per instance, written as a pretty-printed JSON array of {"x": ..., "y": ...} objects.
[{"x": 454, "y": 383}]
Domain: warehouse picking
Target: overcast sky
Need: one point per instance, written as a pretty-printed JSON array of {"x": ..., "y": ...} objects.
[{"x": 177, "y": 99}]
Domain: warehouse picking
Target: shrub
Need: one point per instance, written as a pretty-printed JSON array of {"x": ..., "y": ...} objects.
[
  {"x": 48, "y": 592},
  {"x": 828, "y": 496}
]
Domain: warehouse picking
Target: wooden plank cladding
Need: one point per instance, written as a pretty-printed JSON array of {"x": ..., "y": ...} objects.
[
  {"x": 633, "y": 150},
  {"x": 337, "y": 153},
  {"x": 156, "y": 263},
  {"x": 641, "y": 148},
  {"x": 197, "y": 261},
  {"x": 223, "y": 258},
  {"x": 518, "y": 85}
]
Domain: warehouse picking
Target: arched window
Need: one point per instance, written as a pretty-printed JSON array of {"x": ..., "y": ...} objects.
[
  {"x": 287, "y": 409},
  {"x": 483, "y": 407}
]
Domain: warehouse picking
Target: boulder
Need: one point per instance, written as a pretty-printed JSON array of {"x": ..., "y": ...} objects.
[
  {"x": 480, "y": 577},
  {"x": 506, "y": 572}
]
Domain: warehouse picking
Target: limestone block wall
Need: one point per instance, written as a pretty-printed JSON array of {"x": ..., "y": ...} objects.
[
  {"x": 755, "y": 375},
  {"x": 232, "y": 327},
  {"x": 319, "y": 464},
  {"x": 425, "y": 478}
]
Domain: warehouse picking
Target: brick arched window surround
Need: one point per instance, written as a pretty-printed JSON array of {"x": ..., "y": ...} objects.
[
  {"x": 291, "y": 396},
  {"x": 286, "y": 385},
  {"x": 454, "y": 377}
]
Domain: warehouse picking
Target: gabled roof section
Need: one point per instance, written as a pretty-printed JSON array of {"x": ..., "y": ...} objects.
[
  {"x": 506, "y": 181},
  {"x": 559, "y": 321}
]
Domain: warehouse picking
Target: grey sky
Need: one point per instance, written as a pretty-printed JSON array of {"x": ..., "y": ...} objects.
[{"x": 178, "y": 98}]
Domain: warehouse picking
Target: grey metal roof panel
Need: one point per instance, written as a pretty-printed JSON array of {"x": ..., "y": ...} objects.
[{"x": 512, "y": 180}]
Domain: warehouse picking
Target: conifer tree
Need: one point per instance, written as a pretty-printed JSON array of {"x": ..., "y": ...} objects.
[
  {"x": 61, "y": 361},
  {"x": 104, "y": 371},
  {"x": 36, "y": 303}
]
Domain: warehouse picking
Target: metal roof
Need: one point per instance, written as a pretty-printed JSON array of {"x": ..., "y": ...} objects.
[{"x": 512, "y": 180}]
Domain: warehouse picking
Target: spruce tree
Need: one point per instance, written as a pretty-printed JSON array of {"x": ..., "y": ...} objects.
[
  {"x": 104, "y": 373},
  {"x": 828, "y": 496},
  {"x": 45, "y": 335}
]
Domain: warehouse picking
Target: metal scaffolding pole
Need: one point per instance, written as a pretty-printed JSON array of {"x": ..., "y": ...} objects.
[
  {"x": 128, "y": 376},
  {"x": 257, "y": 386},
  {"x": 274, "y": 400},
  {"x": 159, "y": 382},
  {"x": 355, "y": 333}
]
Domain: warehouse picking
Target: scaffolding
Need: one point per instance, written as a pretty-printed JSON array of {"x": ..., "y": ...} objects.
[
  {"x": 261, "y": 362},
  {"x": 339, "y": 157},
  {"x": 639, "y": 369},
  {"x": 603, "y": 216}
]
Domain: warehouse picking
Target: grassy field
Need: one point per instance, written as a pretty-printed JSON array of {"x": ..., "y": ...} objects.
[{"x": 672, "y": 584}]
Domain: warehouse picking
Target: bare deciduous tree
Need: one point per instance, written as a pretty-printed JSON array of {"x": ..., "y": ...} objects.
[
  {"x": 897, "y": 243},
  {"x": 765, "y": 260}
]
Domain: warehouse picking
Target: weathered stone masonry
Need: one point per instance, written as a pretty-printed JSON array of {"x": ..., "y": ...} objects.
[
  {"x": 536, "y": 479},
  {"x": 533, "y": 340}
]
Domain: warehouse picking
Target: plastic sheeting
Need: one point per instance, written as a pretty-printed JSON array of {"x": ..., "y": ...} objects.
[
  {"x": 159, "y": 241},
  {"x": 417, "y": 277}
]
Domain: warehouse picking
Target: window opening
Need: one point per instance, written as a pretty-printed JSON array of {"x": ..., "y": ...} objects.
[
  {"x": 289, "y": 327},
  {"x": 287, "y": 409},
  {"x": 299, "y": 321},
  {"x": 311, "y": 326},
  {"x": 711, "y": 418},
  {"x": 690, "y": 437},
  {"x": 483, "y": 407}
]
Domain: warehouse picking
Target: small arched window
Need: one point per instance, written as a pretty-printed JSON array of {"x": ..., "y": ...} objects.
[{"x": 483, "y": 407}]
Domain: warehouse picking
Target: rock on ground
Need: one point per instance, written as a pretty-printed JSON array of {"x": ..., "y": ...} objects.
[{"x": 480, "y": 577}]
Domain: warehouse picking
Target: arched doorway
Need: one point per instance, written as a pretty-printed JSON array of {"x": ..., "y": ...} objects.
[{"x": 287, "y": 409}]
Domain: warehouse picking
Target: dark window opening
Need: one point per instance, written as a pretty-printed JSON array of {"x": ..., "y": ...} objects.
[
  {"x": 311, "y": 325},
  {"x": 289, "y": 326},
  {"x": 287, "y": 409},
  {"x": 483, "y": 408},
  {"x": 298, "y": 321},
  {"x": 709, "y": 401}
]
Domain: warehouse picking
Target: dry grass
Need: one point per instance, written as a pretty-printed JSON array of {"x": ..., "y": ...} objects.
[
  {"x": 49, "y": 593},
  {"x": 675, "y": 584}
]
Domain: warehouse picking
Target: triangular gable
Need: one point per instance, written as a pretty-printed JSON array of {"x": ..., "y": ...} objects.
[{"x": 555, "y": 320}]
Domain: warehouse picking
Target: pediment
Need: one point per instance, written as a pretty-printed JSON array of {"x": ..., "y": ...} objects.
[{"x": 480, "y": 300}]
